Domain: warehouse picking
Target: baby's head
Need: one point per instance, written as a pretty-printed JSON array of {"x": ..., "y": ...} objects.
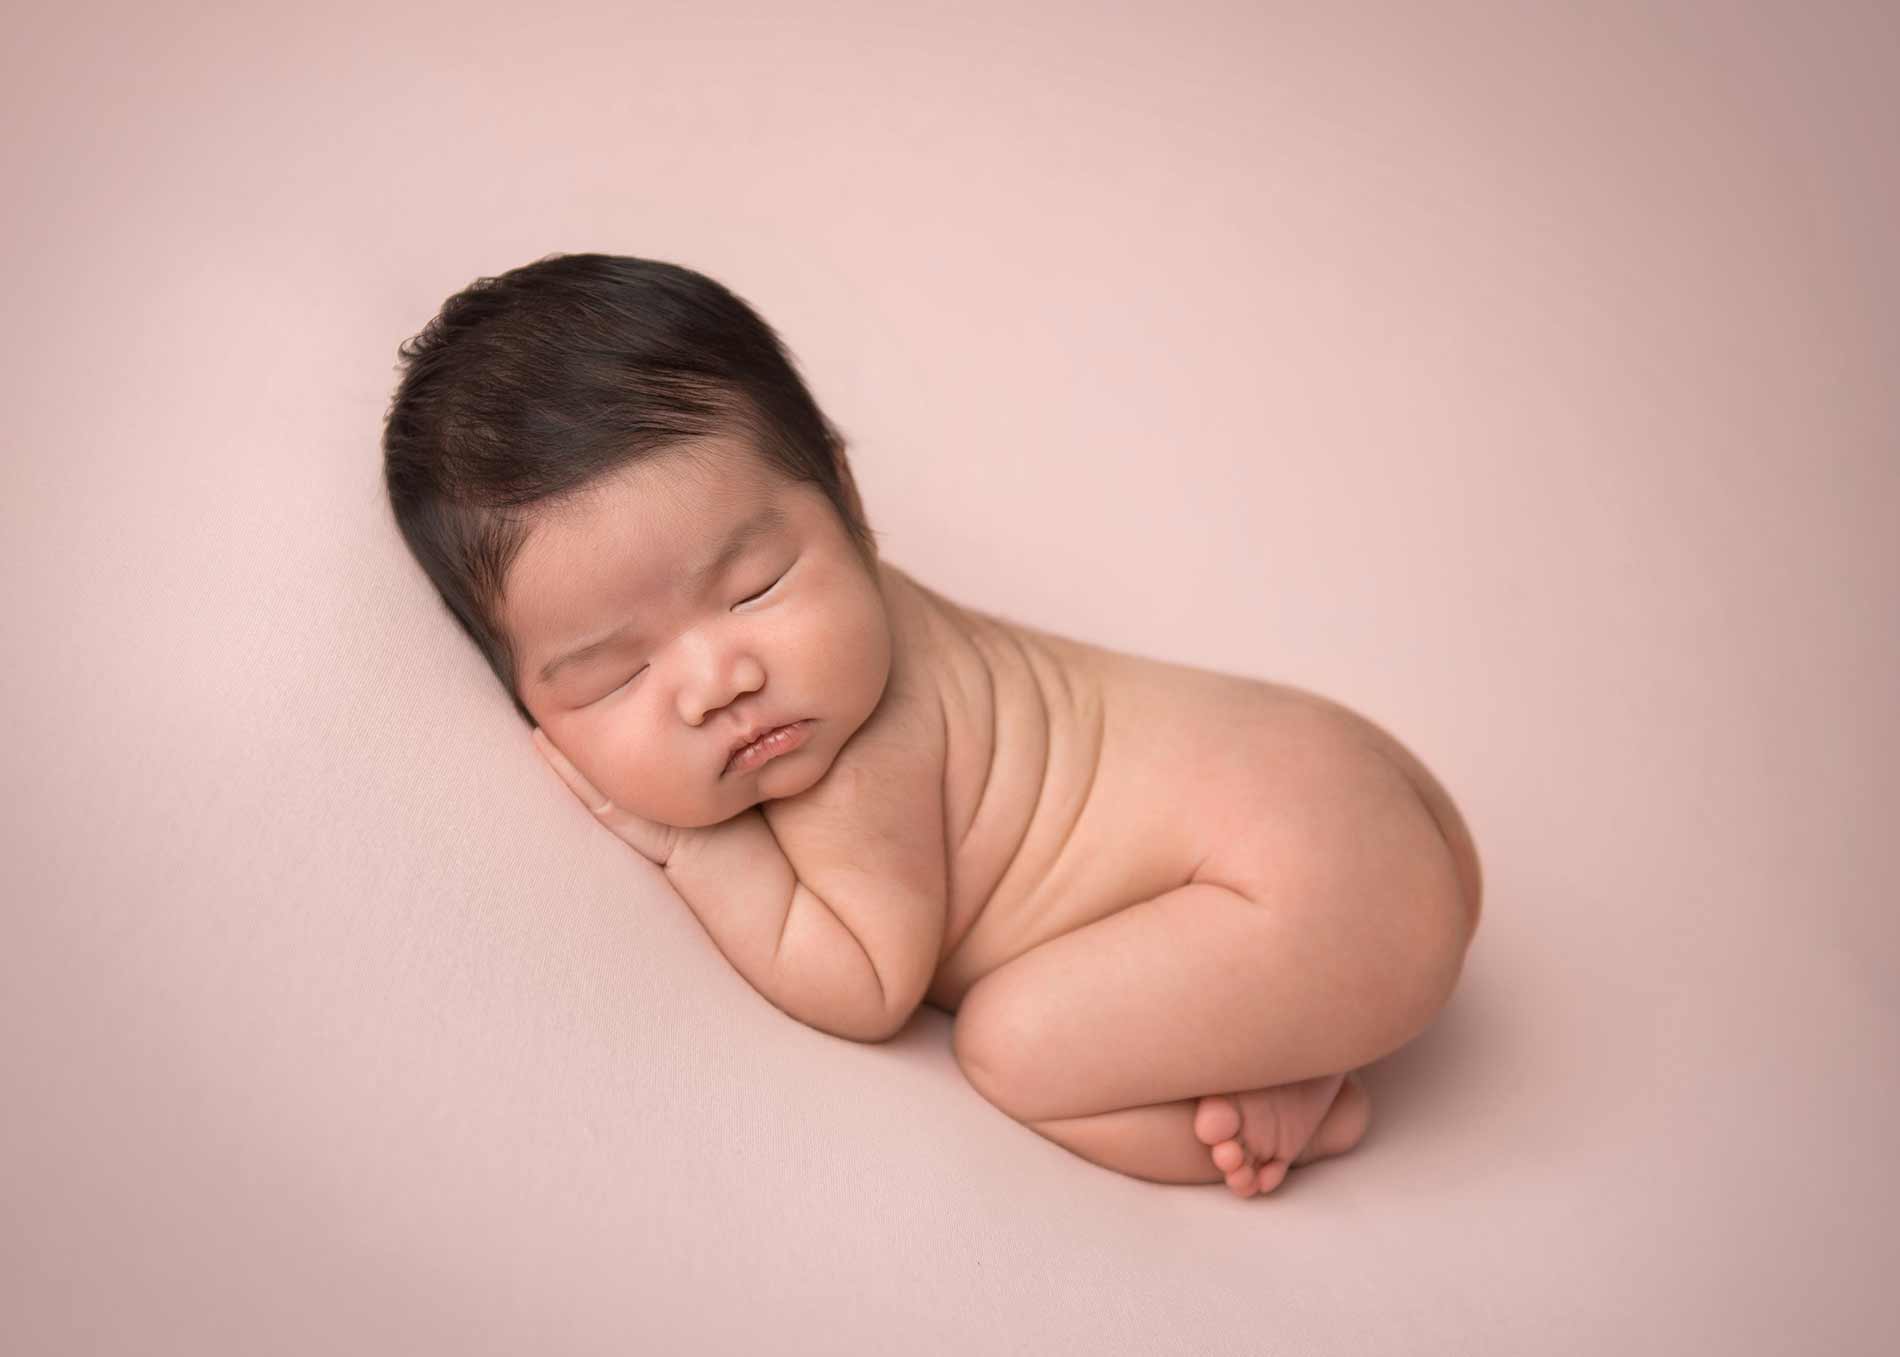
[{"x": 626, "y": 496}]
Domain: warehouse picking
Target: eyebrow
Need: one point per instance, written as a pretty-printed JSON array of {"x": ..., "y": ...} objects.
[{"x": 766, "y": 520}]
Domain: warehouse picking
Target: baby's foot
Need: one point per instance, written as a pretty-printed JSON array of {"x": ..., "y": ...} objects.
[{"x": 1254, "y": 1138}]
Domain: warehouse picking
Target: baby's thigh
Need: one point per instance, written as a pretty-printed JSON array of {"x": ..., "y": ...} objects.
[
  {"x": 1356, "y": 735},
  {"x": 1336, "y": 837}
]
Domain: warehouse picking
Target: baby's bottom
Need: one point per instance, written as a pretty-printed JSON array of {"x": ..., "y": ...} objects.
[{"x": 1202, "y": 1036}]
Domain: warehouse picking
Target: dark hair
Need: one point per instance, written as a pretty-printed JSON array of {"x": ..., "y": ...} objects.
[{"x": 528, "y": 388}]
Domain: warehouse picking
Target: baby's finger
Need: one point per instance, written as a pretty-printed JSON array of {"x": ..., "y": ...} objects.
[{"x": 571, "y": 775}]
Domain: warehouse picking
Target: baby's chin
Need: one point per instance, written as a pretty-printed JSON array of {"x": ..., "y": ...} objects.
[
  {"x": 774, "y": 782},
  {"x": 790, "y": 781}
]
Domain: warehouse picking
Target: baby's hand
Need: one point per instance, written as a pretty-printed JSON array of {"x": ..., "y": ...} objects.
[{"x": 649, "y": 838}]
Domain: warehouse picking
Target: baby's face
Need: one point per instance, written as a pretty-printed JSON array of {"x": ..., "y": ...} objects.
[{"x": 644, "y": 653}]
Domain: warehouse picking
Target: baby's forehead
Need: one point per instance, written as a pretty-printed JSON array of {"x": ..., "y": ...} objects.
[
  {"x": 664, "y": 511},
  {"x": 639, "y": 534},
  {"x": 692, "y": 475}
]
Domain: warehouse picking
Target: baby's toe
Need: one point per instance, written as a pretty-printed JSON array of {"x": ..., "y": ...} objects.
[
  {"x": 1229, "y": 1157},
  {"x": 1250, "y": 1180},
  {"x": 1216, "y": 1119}
]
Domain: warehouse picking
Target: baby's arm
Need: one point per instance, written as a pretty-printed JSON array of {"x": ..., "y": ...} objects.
[
  {"x": 855, "y": 969},
  {"x": 846, "y": 938},
  {"x": 833, "y": 902}
]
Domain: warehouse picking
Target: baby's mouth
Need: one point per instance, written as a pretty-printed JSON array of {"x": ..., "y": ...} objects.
[{"x": 771, "y": 736}]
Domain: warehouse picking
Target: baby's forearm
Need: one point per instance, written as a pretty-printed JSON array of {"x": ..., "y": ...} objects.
[
  {"x": 783, "y": 939},
  {"x": 736, "y": 878}
]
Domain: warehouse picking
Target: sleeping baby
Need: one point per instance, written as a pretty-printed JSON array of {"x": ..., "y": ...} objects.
[{"x": 1172, "y": 910}]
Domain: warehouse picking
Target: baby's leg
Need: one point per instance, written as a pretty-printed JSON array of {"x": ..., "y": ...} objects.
[
  {"x": 1176, "y": 1142},
  {"x": 1203, "y": 990}
]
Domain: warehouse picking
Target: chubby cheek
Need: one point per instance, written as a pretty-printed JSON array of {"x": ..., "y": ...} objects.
[
  {"x": 855, "y": 654},
  {"x": 671, "y": 792},
  {"x": 874, "y": 667}
]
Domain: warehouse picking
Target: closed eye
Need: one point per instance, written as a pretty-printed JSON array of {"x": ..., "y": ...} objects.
[
  {"x": 768, "y": 589},
  {"x": 643, "y": 668}
]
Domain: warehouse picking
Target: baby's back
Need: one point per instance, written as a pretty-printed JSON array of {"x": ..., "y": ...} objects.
[{"x": 1079, "y": 780}]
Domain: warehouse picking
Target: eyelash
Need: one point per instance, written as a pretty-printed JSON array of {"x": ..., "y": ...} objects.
[{"x": 643, "y": 668}]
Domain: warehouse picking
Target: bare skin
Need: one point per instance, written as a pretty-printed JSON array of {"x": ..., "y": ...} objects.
[
  {"x": 1182, "y": 906},
  {"x": 1070, "y": 886},
  {"x": 1255, "y": 1137}
]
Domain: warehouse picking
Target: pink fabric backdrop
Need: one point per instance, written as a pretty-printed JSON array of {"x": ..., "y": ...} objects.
[{"x": 1520, "y": 378}]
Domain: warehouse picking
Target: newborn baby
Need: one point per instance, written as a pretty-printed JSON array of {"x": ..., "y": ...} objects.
[{"x": 1172, "y": 910}]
